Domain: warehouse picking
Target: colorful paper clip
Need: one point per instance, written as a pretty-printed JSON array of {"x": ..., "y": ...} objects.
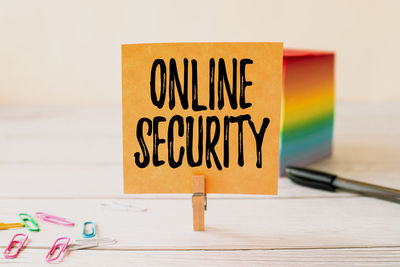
[
  {"x": 28, "y": 221},
  {"x": 61, "y": 244},
  {"x": 53, "y": 219},
  {"x": 18, "y": 240},
  {"x": 91, "y": 243},
  {"x": 85, "y": 232},
  {"x": 4, "y": 226}
]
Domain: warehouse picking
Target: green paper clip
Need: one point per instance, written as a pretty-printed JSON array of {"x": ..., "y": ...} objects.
[{"x": 26, "y": 219}]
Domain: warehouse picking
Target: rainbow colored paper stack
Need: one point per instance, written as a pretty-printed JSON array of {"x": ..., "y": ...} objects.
[{"x": 308, "y": 107}]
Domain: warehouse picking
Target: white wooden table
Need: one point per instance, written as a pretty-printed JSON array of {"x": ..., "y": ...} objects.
[{"x": 68, "y": 160}]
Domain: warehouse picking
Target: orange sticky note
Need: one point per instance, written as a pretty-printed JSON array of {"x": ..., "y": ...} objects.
[{"x": 201, "y": 108}]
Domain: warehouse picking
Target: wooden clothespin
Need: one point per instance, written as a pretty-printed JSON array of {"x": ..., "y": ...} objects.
[{"x": 199, "y": 202}]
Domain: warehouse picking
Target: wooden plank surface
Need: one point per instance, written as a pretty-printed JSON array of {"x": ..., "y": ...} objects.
[
  {"x": 230, "y": 223},
  {"x": 297, "y": 257},
  {"x": 68, "y": 160}
]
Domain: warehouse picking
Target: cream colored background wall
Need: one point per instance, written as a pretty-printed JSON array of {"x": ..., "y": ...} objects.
[{"x": 65, "y": 52}]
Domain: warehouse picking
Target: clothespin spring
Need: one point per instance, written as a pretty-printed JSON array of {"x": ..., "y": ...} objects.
[{"x": 200, "y": 194}]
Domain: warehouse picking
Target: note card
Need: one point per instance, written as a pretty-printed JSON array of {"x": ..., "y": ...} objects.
[{"x": 201, "y": 108}]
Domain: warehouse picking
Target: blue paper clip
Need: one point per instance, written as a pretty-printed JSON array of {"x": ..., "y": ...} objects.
[{"x": 91, "y": 234}]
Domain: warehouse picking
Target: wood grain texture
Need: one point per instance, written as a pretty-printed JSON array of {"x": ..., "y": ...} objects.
[
  {"x": 294, "y": 257},
  {"x": 198, "y": 202},
  {"x": 68, "y": 160},
  {"x": 230, "y": 224}
]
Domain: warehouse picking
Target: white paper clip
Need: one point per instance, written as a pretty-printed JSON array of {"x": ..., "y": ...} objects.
[
  {"x": 122, "y": 206},
  {"x": 91, "y": 243}
]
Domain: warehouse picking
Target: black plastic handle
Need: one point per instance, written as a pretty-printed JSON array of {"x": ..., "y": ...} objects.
[{"x": 311, "y": 178}]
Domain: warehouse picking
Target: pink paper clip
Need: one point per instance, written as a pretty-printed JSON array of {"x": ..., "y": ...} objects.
[
  {"x": 62, "y": 244},
  {"x": 20, "y": 242},
  {"x": 53, "y": 219}
]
